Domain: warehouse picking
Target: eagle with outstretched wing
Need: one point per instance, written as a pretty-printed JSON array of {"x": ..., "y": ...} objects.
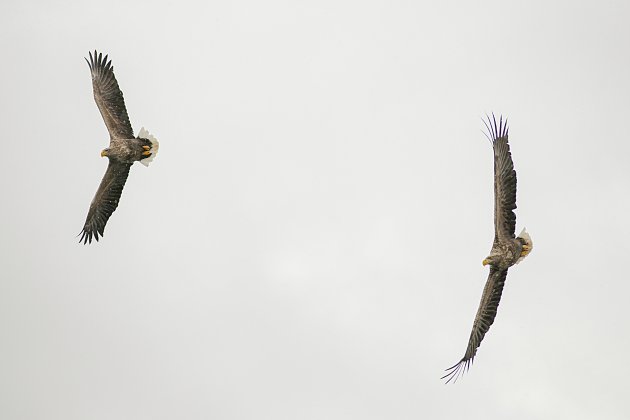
[
  {"x": 124, "y": 148},
  {"x": 507, "y": 249}
]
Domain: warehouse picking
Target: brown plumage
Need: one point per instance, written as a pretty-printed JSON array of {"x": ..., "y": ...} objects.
[
  {"x": 506, "y": 249},
  {"x": 124, "y": 149}
]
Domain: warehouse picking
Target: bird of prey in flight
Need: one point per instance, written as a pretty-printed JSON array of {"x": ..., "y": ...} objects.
[
  {"x": 507, "y": 249},
  {"x": 124, "y": 148}
]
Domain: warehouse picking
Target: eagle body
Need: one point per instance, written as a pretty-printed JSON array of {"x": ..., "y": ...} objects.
[
  {"x": 124, "y": 147},
  {"x": 505, "y": 254},
  {"x": 507, "y": 249},
  {"x": 127, "y": 150}
]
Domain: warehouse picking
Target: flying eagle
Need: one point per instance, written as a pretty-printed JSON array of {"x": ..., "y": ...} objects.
[
  {"x": 506, "y": 249},
  {"x": 124, "y": 149}
]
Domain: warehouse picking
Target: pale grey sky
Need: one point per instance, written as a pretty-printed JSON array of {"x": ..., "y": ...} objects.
[{"x": 308, "y": 242}]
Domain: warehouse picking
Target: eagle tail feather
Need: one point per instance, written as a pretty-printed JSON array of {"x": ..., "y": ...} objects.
[
  {"x": 155, "y": 145},
  {"x": 528, "y": 242}
]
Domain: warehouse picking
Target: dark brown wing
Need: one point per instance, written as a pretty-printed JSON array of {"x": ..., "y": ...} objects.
[
  {"x": 105, "y": 201},
  {"x": 109, "y": 98},
  {"x": 504, "y": 181},
  {"x": 485, "y": 317}
]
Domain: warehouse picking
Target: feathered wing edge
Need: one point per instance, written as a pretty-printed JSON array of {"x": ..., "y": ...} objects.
[
  {"x": 504, "y": 179},
  {"x": 109, "y": 97},
  {"x": 496, "y": 131},
  {"x": 105, "y": 201},
  {"x": 483, "y": 320}
]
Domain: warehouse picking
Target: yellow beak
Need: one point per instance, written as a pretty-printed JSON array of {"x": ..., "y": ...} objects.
[
  {"x": 485, "y": 262},
  {"x": 103, "y": 153}
]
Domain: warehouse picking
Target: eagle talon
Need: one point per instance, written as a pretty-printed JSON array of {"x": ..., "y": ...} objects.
[
  {"x": 146, "y": 153},
  {"x": 146, "y": 147}
]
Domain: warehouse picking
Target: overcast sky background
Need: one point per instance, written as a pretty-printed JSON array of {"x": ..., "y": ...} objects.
[{"x": 308, "y": 242}]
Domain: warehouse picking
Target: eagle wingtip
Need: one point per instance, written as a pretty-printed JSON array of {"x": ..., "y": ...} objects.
[
  {"x": 87, "y": 235},
  {"x": 457, "y": 370},
  {"x": 496, "y": 130},
  {"x": 97, "y": 61}
]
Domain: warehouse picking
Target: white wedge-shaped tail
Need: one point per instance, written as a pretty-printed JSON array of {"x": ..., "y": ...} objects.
[
  {"x": 528, "y": 243},
  {"x": 155, "y": 145}
]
